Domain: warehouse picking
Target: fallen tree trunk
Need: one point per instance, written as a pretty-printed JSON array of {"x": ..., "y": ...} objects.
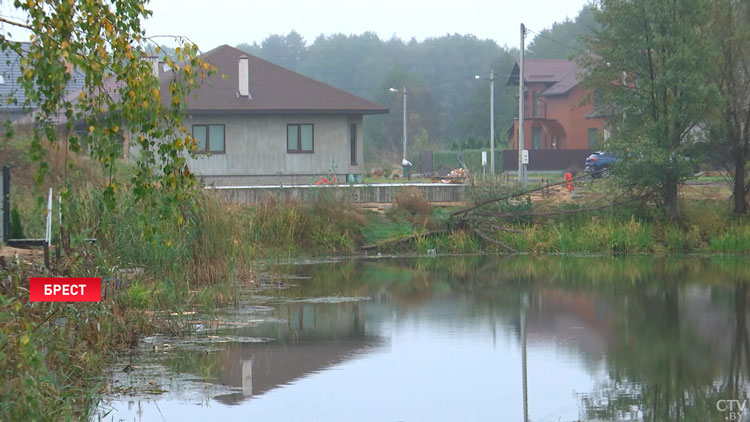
[
  {"x": 513, "y": 195},
  {"x": 496, "y": 242},
  {"x": 402, "y": 240},
  {"x": 552, "y": 213},
  {"x": 505, "y": 229}
]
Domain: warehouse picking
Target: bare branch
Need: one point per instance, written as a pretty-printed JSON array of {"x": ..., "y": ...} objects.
[
  {"x": 14, "y": 23},
  {"x": 493, "y": 241}
]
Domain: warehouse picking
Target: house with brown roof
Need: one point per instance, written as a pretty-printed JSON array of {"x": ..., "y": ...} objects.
[
  {"x": 557, "y": 114},
  {"x": 259, "y": 123}
]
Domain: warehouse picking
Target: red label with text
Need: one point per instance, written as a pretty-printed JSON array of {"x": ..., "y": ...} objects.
[{"x": 65, "y": 289}]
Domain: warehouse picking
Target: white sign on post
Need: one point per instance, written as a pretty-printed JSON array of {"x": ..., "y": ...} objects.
[
  {"x": 484, "y": 158},
  {"x": 525, "y": 156}
]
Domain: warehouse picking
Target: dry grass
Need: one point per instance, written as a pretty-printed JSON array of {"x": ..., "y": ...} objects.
[{"x": 412, "y": 200}]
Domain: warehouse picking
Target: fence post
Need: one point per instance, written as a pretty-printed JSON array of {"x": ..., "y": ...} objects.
[
  {"x": 5, "y": 200},
  {"x": 48, "y": 232}
]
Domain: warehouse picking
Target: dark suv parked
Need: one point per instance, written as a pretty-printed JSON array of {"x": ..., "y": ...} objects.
[{"x": 599, "y": 163}]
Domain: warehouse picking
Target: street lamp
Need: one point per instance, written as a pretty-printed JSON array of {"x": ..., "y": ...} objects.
[
  {"x": 394, "y": 90},
  {"x": 492, "y": 119},
  {"x": 521, "y": 97}
]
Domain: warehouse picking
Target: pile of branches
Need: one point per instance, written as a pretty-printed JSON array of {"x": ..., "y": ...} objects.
[{"x": 482, "y": 219}]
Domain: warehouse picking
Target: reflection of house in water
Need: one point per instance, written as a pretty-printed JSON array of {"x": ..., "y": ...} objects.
[{"x": 314, "y": 336}]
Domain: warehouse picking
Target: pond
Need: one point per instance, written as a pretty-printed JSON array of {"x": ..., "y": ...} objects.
[{"x": 553, "y": 338}]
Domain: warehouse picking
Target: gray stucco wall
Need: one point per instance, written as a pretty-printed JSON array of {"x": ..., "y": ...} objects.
[
  {"x": 357, "y": 193},
  {"x": 256, "y": 150}
]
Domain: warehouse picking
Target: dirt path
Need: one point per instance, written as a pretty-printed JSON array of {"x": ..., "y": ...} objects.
[{"x": 33, "y": 255}]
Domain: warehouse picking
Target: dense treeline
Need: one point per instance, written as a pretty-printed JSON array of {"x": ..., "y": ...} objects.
[
  {"x": 674, "y": 82},
  {"x": 446, "y": 104}
]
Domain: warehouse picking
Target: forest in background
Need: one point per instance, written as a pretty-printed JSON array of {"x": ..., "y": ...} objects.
[{"x": 448, "y": 108}]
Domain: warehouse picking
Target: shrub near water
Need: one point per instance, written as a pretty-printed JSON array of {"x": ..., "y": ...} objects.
[
  {"x": 598, "y": 234},
  {"x": 195, "y": 244},
  {"x": 51, "y": 352},
  {"x": 325, "y": 225},
  {"x": 212, "y": 240},
  {"x": 734, "y": 240},
  {"x": 411, "y": 200}
]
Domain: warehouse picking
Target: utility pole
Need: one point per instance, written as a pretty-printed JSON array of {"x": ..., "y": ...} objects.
[
  {"x": 492, "y": 122},
  {"x": 404, "y": 92},
  {"x": 521, "y": 94}
]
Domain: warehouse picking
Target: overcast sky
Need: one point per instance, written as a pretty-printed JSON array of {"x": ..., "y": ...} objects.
[{"x": 212, "y": 23}]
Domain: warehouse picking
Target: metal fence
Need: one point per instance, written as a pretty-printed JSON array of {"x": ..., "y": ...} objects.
[{"x": 548, "y": 159}]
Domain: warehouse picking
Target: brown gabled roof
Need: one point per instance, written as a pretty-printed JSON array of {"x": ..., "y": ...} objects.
[
  {"x": 273, "y": 89},
  {"x": 542, "y": 70},
  {"x": 565, "y": 84}
]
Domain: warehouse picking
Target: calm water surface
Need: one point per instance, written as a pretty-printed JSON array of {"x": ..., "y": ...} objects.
[{"x": 444, "y": 339}]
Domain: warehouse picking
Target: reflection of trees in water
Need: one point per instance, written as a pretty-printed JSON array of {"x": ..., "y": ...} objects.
[
  {"x": 661, "y": 364},
  {"x": 663, "y": 369},
  {"x": 736, "y": 383}
]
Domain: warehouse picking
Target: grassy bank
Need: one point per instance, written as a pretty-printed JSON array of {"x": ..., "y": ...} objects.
[
  {"x": 52, "y": 353},
  {"x": 154, "y": 266},
  {"x": 706, "y": 227}
]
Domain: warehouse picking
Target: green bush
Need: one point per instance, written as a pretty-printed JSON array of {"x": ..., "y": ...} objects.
[
  {"x": 734, "y": 240},
  {"x": 324, "y": 225}
]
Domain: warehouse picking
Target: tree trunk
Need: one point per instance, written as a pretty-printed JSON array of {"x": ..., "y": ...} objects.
[
  {"x": 670, "y": 197},
  {"x": 740, "y": 206}
]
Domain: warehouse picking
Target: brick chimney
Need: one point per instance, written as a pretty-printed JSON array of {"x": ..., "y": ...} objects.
[{"x": 154, "y": 60}]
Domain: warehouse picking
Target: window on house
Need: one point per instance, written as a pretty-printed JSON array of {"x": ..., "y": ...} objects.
[
  {"x": 535, "y": 103},
  {"x": 210, "y": 138},
  {"x": 536, "y": 138},
  {"x": 299, "y": 138},
  {"x": 353, "y": 143},
  {"x": 593, "y": 137}
]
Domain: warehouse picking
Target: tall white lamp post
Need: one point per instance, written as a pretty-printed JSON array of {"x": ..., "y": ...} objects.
[
  {"x": 492, "y": 119},
  {"x": 521, "y": 94},
  {"x": 403, "y": 91}
]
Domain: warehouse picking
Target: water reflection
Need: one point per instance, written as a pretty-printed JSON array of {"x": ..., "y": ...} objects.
[
  {"x": 312, "y": 338},
  {"x": 484, "y": 338}
]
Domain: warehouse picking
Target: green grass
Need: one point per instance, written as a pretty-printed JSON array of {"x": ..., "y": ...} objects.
[
  {"x": 380, "y": 228},
  {"x": 709, "y": 179},
  {"x": 707, "y": 226},
  {"x": 735, "y": 240}
]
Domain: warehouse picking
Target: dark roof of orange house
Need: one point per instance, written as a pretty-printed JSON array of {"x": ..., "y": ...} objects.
[
  {"x": 562, "y": 74},
  {"x": 565, "y": 84},
  {"x": 273, "y": 90}
]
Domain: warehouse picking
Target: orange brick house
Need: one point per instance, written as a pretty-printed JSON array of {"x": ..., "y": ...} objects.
[{"x": 555, "y": 115}]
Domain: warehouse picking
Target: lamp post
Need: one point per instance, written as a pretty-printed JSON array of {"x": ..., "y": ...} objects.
[
  {"x": 492, "y": 119},
  {"x": 403, "y": 91},
  {"x": 521, "y": 94}
]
